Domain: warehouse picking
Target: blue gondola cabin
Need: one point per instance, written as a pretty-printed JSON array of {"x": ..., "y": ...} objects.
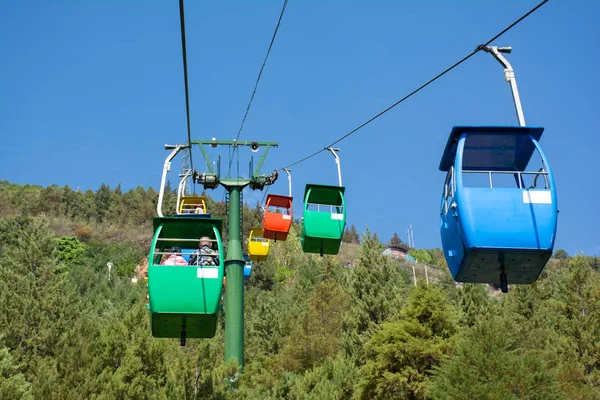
[{"x": 498, "y": 215}]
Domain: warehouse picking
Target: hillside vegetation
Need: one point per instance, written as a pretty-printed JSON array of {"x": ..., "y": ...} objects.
[{"x": 349, "y": 327}]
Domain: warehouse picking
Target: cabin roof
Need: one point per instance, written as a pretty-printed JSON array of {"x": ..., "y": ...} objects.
[
  {"x": 492, "y": 148},
  {"x": 185, "y": 226},
  {"x": 324, "y": 194}
]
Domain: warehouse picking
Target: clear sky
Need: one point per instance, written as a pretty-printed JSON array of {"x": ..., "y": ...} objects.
[{"x": 90, "y": 91}]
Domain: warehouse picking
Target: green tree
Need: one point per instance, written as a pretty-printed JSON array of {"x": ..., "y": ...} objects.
[
  {"x": 334, "y": 379},
  {"x": 475, "y": 303},
  {"x": 560, "y": 254},
  {"x": 12, "y": 382},
  {"x": 421, "y": 255},
  {"x": 396, "y": 241},
  {"x": 69, "y": 248},
  {"x": 351, "y": 235},
  {"x": 318, "y": 335},
  {"x": 36, "y": 301},
  {"x": 402, "y": 354},
  {"x": 103, "y": 202},
  {"x": 376, "y": 286},
  {"x": 489, "y": 363}
]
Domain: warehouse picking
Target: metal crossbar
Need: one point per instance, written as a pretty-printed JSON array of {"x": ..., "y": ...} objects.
[{"x": 518, "y": 173}]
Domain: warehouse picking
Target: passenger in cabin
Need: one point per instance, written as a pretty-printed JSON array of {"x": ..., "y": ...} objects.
[
  {"x": 205, "y": 255},
  {"x": 175, "y": 258},
  {"x": 199, "y": 209}
]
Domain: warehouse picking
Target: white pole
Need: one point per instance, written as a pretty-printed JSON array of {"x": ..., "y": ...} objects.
[
  {"x": 166, "y": 168},
  {"x": 414, "y": 275},
  {"x": 287, "y": 171},
  {"x": 509, "y": 76},
  {"x": 337, "y": 161},
  {"x": 109, "y": 265},
  {"x": 426, "y": 276}
]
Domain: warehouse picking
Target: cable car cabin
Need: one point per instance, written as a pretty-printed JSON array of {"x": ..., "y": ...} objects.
[
  {"x": 324, "y": 219},
  {"x": 192, "y": 205},
  {"x": 498, "y": 208},
  {"x": 278, "y": 217},
  {"x": 184, "y": 298},
  {"x": 247, "y": 267},
  {"x": 258, "y": 246}
]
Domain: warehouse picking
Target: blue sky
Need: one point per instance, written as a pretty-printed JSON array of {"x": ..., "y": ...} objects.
[{"x": 91, "y": 91}]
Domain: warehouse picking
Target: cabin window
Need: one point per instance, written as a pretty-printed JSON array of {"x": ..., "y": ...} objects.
[
  {"x": 324, "y": 208},
  {"x": 448, "y": 190},
  {"x": 278, "y": 210},
  {"x": 496, "y": 161}
]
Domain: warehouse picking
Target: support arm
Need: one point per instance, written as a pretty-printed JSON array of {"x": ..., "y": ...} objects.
[
  {"x": 166, "y": 168},
  {"x": 509, "y": 76},
  {"x": 287, "y": 171},
  {"x": 337, "y": 161}
]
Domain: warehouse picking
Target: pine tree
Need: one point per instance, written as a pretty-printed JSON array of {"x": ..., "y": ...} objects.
[
  {"x": 489, "y": 363},
  {"x": 396, "y": 241},
  {"x": 376, "y": 289},
  {"x": 402, "y": 354},
  {"x": 103, "y": 200},
  {"x": 351, "y": 235},
  {"x": 318, "y": 335},
  {"x": 12, "y": 382},
  {"x": 36, "y": 303},
  {"x": 474, "y": 304}
]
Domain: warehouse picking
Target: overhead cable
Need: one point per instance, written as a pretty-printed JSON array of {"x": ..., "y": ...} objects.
[
  {"x": 185, "y": 78},
  {"x": 479, "y": 48},
  {"x": 258, "y": 79}
]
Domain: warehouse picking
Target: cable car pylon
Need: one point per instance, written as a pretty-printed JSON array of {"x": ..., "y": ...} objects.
[{"x": 234, "y": 261}]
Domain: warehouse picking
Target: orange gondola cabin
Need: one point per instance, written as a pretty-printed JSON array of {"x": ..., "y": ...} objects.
[{"x": 278, "y": 217}]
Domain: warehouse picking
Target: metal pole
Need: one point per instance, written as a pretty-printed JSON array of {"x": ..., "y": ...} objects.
[
  {"x": 509, "y": 76},
  {"x": 337, "y": 161},
  {"x": 180, "y": 188},
  {"x": 166, "y": 168},
  {"x": 287, "y": 171},
  {"x": 414, "y": 275},
  {"x": 426, "y": 276},
  {"x": 234, "y": 290}
]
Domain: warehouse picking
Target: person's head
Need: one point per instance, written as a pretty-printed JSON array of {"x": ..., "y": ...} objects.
[
  {"x": 205, "y": 241},
  {"x": 175, "y": 249}
]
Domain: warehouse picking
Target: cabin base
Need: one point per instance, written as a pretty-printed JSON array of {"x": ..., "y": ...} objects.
[
  {"x": 274, "y": 235},
  {"x": 320, "y": 246},
  {"x": 489, "y": 265},
  {"x": 183, "y": 326}
]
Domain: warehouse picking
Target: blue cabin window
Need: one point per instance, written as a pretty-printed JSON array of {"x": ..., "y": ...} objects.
[
  {"x": 501, "y": 154},
  {"x": 449, "y": 188}
]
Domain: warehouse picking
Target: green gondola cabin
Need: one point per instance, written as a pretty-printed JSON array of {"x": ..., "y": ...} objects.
[
  {"x": 324, "y": 219},
  {"x": 184, "y": 299}
]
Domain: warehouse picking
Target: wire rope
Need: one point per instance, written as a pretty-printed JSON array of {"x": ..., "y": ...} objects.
[
  {"x": 258, "y": 80},
  {"x": 185, "y": 78},
  {"x": 479, "y": 48}
]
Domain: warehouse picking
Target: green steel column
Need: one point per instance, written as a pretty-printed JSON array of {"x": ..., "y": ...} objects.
[{"x": 234, "y": 290}]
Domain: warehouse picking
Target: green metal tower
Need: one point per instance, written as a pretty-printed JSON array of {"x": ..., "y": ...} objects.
[{"x": 234, "y": 261}]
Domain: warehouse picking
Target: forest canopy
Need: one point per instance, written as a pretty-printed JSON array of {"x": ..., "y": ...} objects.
[{"x": 358, "y": 325}]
